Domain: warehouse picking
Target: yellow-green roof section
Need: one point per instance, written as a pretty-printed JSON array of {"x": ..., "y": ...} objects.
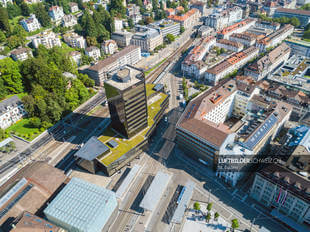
[{"x": 125, "y": 145}]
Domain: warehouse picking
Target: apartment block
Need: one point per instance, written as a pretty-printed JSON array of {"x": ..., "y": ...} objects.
[
  {"x": 69, "y": 20},
  {"x": 246, "y": 38},
  {"x": 229, "y": 45},
  {"x": 74, "y": 7},
  {"x": 193, "y": 65},
  {"x": 93, "y": 52},
  {"x": 130, "y": 55},
  {"x": 21, "y": 54},
  {"x": 275, "y": 38},
  {"x": 48, "y": 39},
  {"x": 30, "y": 24},
  {"x": 147, "y": 38},
  {"x": 235, "y": 28},
  {"x": 74, "y": 40},
  {"x": 188, "y": 19},
  {"x": 267, "y": 64},
  {"x": 56, "y": 13},
  {"x": 229, "y": 65},
  {"x": 223, "y": 18}
]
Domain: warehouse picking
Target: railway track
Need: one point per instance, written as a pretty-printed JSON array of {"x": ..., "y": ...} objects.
[{"x": 153, "y": 76}]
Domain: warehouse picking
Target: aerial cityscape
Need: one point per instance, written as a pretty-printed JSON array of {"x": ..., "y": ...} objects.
[{"x": 155, "y": 116}]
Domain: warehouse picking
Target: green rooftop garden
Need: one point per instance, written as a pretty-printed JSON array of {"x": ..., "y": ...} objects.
[
  {"x": 125, "y": 145},
  {"x": 149, "y": 89}
]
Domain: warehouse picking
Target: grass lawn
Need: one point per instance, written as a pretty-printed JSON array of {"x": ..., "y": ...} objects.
[
  {"x": 149, "y": 89},
  {"x": 146, "y": 73},
  {"x": 307, "y": 40},
  {"x": 125, "y": 145},
  {"x": 23, "y": 130},
  {"x": 20, "y": 95},
  {"x": 66, "y": 48}
]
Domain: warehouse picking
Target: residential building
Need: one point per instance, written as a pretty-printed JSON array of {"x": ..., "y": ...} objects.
[
  {"x": 246, "y": 38},
  {"x": 76, "y": 57},
  {"x": 122, "y": 38},
  {"x": 47, "y": 38},
  {"x": 223, "y": 18},
  {"x": 118, "y": 24},
  {"x": 229, "y": 65},
  {"x": 21, "y": 54},
  {"x": 32, "y": 1},
  {"x": 133, "y": 12},
  {"x": 102, "y": 3},
  {"x": 130, "y": 55},
  {"x": 204, "y": 31},
  {"x": 31, "y": 23},
  {"x": 4, "y": 3},
  {"x": 56, "y": 13},
  {"x": 267, "y": 25},
  {"x": 188, "y": 19},
  {"x": 166, "y": 26},
  {"x": 147, "y": 38},
  {"x": 29, "y": 189},
  {"x": 229, "y": 45},
  {"x": 302, "y": 15},
  {"x": 93, "y": 52},
  {"x": 193, "y": 65},
  {"x": 235, "y": 28},
  {"x": 109, "y": 46},
  {"x": 69, "y": 20},
  {"x": 74, "y": 7},
  {"x": 201, "y": 6},
  {"x": 285, "y": 190},
  {"x": 11, "y": 110},
  {"x": 29, "y": 222},
  {"x": 275, "y": 38},
  {"x": 94, "y": 209},
  {"x": 74, "y": 40},
  {"x": 205, "y": 132},
  {"x": 268, "y": 63},
  {"x": 170, "y": 11},
  {"x": 299, "y": 47},
  {"x": 125, "y": 118}
]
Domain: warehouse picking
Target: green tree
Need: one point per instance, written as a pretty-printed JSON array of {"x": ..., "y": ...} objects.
[
  {"x": 184, "y": 3},
  {"x": 295, "y": 22},
  {"x": 2, "y": 37},
  {"x": 4, "y": 20},
  {"x": 196, "y": 206},
  {"x": 209, "y": 206},
  {"x": 86, "y": 80},
  {"x": 35, "y": 122},
  {"x": 182, "y": 29},
  {"x": 13, "y": 10},
  {"x": 117, "y": 8},
  {"x": 2, "y": 134},
  {"x": 306, "y": 35},
  {"x": 29, "y": 104},
  {"x": 216, "y": 216},
  {"x": 234, "y": 224},
  {"x": 42, "y": 15},
  {"x": 208, "y": 217},
  {"x": 12, "y": 79},
  {"x": 170, "y": 38},
  {"x": 130, "y": 23},
  {"x": 91, "y": 41},
  {"x": 25, "y": 9}
]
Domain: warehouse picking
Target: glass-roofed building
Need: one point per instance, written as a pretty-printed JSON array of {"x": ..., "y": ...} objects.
[{"x": 82, "y": 207}]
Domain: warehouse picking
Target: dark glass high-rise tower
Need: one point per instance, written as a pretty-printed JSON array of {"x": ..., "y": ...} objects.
[{"x": 126, "y": 94}]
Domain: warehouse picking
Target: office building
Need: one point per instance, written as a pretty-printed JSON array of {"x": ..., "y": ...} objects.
[
  {"x": 11, "y": 110},
  {"x": 21, "y": 54},
  {"x": 30, "y": 24},
  {"x": 166, "y": 27},
  {"x": 299, "y": 47},
  {"x": 229, "y": 65},
  {"x": 302, "y": 15},
  {"x": 223, "y": 18},
  {"x": 83, "y": 207},
  {"x": 147, "y": 38},
  {"x": 130, "y": 55},
  {"x": 47, "y": 38},
  {"x": 122, "y": 38},
  {"x": 268, "y": 63},
  {"x": 74, "y": 40},
  {"x": 275, "y": 38},
  {"x": 235, "y": 28},
  {"x": 126, "y": 97},
  {"x": 188, "y": 19}
]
